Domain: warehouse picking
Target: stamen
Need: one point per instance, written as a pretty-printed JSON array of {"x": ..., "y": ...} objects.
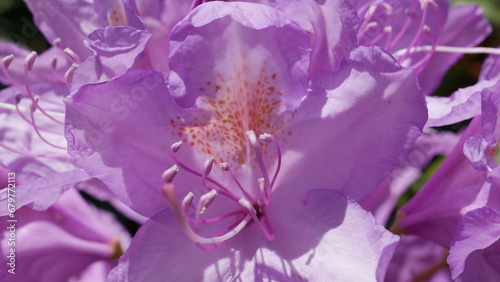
[
  {"x": 168, "y": 190},
  {"x": 72, "y": 55},
  {"x": 223, "y": 191},
  {"x": 255, "y": 146},
  {"x": 35, "y": 127},
  {"x": 218, "y": 218},
  {"x": 30, "y": 60},
  {"x": 19, "y": 110},
  {"x": 420, "y": 29},
  {"x": 9, "y": 107},
  {"x": 30, "y": 155},
  {"x": 206, "y": 200},
  {"x": 366, "y": 20},
  {"x": 31, "y": 109},
  {"x": 450, "y": 49},
  {"x": 225, "y": 167},
  {"x": 253, "y": 213},
  {"x": 208, "y": 167},
  {"x": 266, "y": 137},
  {"x": 28, "y": 66},
  {"x": 187, "y": 201},
  {"x": 176, "y": 146},
  {"x": 57, "y": 43},
  {"x": 169, "y": 174},
  {"x": 53, "y": 63},
  {"x": 262, "y": 185},
  {"x": 68, "y": 75},
  {"x": 6, "y": 61}
]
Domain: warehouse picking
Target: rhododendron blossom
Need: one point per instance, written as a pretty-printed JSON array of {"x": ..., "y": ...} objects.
[{"x": 251, "y": 140}]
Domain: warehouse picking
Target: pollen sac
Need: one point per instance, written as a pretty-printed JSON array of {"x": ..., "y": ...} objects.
[{"x": 246, "y": 75}]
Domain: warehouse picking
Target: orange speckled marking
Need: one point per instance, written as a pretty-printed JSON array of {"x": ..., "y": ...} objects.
[
  {"x": 232, "y": 105},
  {"x": 116, "y": 15}
]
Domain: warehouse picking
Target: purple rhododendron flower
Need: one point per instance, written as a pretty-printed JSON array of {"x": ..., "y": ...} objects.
[
  {"x": 239, "y": 96},
  {"x": 243, "y": 135},
  {"x": 69, "y": 240}
]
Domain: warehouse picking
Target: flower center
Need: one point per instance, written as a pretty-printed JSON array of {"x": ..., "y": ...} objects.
[
  {"x": 229, "y": 105},
  {"x": 240, "y": 212}
]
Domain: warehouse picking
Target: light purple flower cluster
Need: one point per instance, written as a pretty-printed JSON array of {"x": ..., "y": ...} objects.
[{"x": 265, "y": 140}]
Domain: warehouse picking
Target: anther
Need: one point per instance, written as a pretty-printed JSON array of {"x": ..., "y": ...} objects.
[
  {"x": 169, "y": 174},
  {"x": 388, "y": 9},
  {"x": 53, "y": 62},
  {"x": 370, "y": 12},
  {"x": 266, "y": 137},
  {"x": 68, "y": 76},
  {"x": 57, "y": 42},
  {"x": 224, "y": 166},
  {"x": 7, "y": 60},
  {"x": 370, "y": 26},
  {"x": 253, "y": 141},
  {"x": 72, "y": 55},
  {"x": 34, "y": 104},
  {"x": 206, "y": 200},
  {"x": 176, "y": 146},
  {"x": 168, "y": 189},
  {"x": 208, "y": 165},
  {"x": 17, "y": 99},
  {"x": 30, "y": 60},
  {"x": 262, "y": 185},
  {"x": 187, "y": 201}
]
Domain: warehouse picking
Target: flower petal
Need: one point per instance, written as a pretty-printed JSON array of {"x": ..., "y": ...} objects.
[
  {"x": 43, "y": 192},
  {"x": 327, "y": 236},
  {"x": 119, "y": 132},
  {"x": 69, "y": 20},
  {"x": 115, "y": 50},
  {"x": 332, "y": 25},
  {"x": 455, "y": 188},
  {"x": 328, "y": 141},
  {"x": 233, "y": 46},
  {"x": 475, "y": 251},
  {"x": 414, "y": 258},
  {"x": 161, "y": 250}
]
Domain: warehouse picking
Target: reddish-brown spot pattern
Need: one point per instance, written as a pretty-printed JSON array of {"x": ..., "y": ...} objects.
[{"x": 235, "y": 104}]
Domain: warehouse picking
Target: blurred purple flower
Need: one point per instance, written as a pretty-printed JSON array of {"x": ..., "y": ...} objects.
[
  {"x": 425, "y": 35},
  {"x": 69, "y": 240},
  {"x": 241, "y": 98},
  {"x": 32, "y": 113}
]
